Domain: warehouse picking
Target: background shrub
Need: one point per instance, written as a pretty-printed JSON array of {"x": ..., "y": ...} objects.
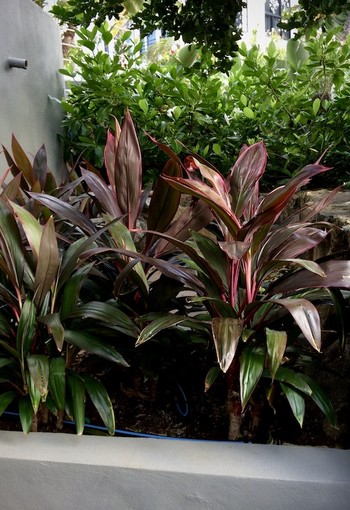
[{"x": 296, "y": 102}]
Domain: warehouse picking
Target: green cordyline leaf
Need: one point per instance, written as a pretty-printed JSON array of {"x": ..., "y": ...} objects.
[
  {"x": 100, "y": 398},
  {"x": 34, "y": 393},
  {"x": 48, "y": 262},
  {"x": 212, "y": 254},
  {"x": 31, "y": 227},
  {"x": 93, "y": 344},
  {"x": 77, "y": 390},
  {"x": 6, "y": 399},
  {"x": 5, "y": 361},
  {"x": 211, "y": 377},
  {"x": 71, "y": 290},
  {"x": 57, "y": 382},
  {"x": 26, "y": 413},
  {"x": 165, "y": 200},
  {"x": 10, "y": 350},
  {"x": 296, "y": 402},
  {"x": 105, "y": 196},
  {"x": 252, "y": 362},
  {"x": 321, "y": 400},
  {"x": 292, "y": 378},
  {"x": 39, "y": 369},
  {"x": 128, "y": 171},
  {"x": 122, "y": 237},
  {"x": 26, "y": 328},
  {"x": 11, "y": 247},
  {"x": 111, "y": 315},
  {"x": 157, "y": 325},
  {"x": 5, "y": 328},
  {"x": 226, "y": 335},
  {"x": 55, "y": 328},
  {"x": 276, "y": 342},
  {"x": 306, "y": 316},
  {"x": 65, "y": 211}
]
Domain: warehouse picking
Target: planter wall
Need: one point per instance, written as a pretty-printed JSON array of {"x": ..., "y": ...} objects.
[
  {"x": 29, "y": 95},
  {"x": 58, "y": 471}
]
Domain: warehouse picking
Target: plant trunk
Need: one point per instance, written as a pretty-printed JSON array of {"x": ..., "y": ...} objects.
[{"x": 233, "y": 401}]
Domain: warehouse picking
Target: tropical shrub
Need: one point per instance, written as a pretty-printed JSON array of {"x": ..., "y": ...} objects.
[
  {"x": 295, "y": 102},
  {"x": 252, "y": 278}
]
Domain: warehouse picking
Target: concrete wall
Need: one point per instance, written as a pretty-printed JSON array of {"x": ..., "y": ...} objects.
[
  {"x": 28, "y": 97},
  {"x": 61, "y": 471}
]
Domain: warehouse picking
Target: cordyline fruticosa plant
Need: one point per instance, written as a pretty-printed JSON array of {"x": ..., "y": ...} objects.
[
  {"x": 52, "y": 270},
  {"x": 240, "y": 264},
  {"x": 49, "y": 310}
]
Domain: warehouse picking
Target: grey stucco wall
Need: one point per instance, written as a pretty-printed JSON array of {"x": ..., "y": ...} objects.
[{"x": 28, "y": 108}]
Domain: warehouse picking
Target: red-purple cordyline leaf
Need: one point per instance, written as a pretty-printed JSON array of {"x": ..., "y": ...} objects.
[
  {"x": 165, "y": 200},
  {"x": 194, "y": 218},
  {"x": 167, "y": 150},
  {"x": 106, "y": 196},
  {"x": 289, "y": 242},
  {"x": 65, "y": 211},
  {"x": 203, "y": 263},
  {"x": 306, "y": 316},
  {"x": 48, "y": 262},
  {"x": 226, "y": 334},
  {"x": 40, "y": 168},
  {"x": 275, "y": 202},
  {"x": 128, "y": 172},
  {"x": 244, "y": 177},
  {"x": 22, "y": 161},
  {"x": 110, "y": 152},
  {"x": 337, "y": 275},
  {"x": 306, "y": 213},
  {"x": 216, "y": 179},
  {"x": 12, "y": 188},
  {"x": 167, "y": 268},
  {"x": 209, "y": 196}
]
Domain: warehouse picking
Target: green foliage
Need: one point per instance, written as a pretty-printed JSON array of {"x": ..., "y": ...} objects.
[{"x": 297, "y": 104}]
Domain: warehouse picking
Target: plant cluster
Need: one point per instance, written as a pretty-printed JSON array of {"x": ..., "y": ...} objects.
[
  {"x": 78, "y": 274},
  {"x": 296, "y": 103}
]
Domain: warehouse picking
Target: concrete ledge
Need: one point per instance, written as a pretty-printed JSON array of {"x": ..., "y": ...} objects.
[{"x": 58, "y": 471}]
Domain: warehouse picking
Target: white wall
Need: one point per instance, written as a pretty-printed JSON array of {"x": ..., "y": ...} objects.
[{"x": 28, "y": 97}]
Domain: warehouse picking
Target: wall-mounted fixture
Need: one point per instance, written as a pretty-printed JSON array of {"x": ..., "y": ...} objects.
[{"x": 21, "y": 63}]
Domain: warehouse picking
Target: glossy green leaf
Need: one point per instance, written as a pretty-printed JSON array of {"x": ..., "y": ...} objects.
[
  {"x": 276, "y": 342},
  {"x": 55, "y": 328},
  {"x": 226, "y": 335},
  {"x": 93, "y": 344},
  {"x": 31, "y": 227},
  {"x": 321, "y": 400},
  {"x": 252, "y": 362},
  {"x": 306, "y": 316},
  {"x": 211, "y": 377},
  {"x": 292, "y": 378},
  {"x": 26, "y": 413},
  {"x": 11, "y": 245},
  {"x": 77, "y": 391},
  {"x": 111, "y": 315},
  {"x": 6, "y": 399},
  {"x": 157, "y": 325},
  {"x": 296, "y": 402},
  {"x": 57, "y": 382},
  {"x": 26, "y": 329},
  {"x": 34, "y": 393},
  {"x": 39, "y": 369},
  {"x": 48, "y": 262},
  {"x": 100, "y": 398},
  {"x": 71, "y": 290},
  {"x": 5, "y": 361}
]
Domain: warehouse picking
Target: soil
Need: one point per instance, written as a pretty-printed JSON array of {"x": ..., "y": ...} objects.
[{"x": 178, "y": 407}]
